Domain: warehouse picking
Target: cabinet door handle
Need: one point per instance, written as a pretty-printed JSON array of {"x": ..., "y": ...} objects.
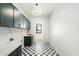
[
  {"x": 0, "y": 20},
  {"x": 19, "y": 25},
  {"x": 11, "y": 39}
]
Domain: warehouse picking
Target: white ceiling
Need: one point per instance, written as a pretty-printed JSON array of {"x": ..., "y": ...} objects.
[{"x": 45, "y": 8}]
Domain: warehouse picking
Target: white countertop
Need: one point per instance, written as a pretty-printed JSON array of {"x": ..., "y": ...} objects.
[{"x": 8, "y": 47}]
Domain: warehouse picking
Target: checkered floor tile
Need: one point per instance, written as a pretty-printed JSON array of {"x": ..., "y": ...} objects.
[{"x": 43, "y": 49}]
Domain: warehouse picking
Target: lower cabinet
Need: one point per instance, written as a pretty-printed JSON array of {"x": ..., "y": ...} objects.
[
  {"x": 16, "y": 52},
  {"x": 28, "y": 40}
]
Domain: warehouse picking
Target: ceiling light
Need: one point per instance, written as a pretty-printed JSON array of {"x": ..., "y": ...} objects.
[{"x": 36, "y": 11}]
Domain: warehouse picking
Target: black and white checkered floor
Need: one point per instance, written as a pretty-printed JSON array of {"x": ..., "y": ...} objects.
[{"x": 39, "y": 49}]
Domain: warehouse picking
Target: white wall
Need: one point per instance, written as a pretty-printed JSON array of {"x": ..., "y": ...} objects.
[
  {"x": 43, "y": 37},
  {"x": 64, "y": 29}
]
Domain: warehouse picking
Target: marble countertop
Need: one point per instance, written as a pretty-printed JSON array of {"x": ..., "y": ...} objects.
[{"x": 8, "y": 47}]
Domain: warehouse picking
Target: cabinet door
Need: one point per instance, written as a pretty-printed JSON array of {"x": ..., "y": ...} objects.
[
  {"x": 28, "y": 40},
  {"x": 0, "y": 18},
  {"x": 28, "y": 24},
  {"x": 2, "y": 14},
  {"x": 25, "y": 24},
  {"x": 6, "y": 14},
  {"x": 16, "y": 18},
  {"x": 21, "y": 21}
]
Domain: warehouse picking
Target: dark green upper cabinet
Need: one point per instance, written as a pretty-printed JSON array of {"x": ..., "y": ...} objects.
[
  {"x": 26, "y": 23},
  {"x": 6, "y": 14},
  {"x": 10, "y": 16},
  {"x": 16, "y": 18},
  {"x": 21, "y": 21}
]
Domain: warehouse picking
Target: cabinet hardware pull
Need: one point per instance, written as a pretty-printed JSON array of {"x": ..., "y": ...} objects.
[
  {"x": 11, "y": 39},
  {"x": 0, "y": 20}
]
